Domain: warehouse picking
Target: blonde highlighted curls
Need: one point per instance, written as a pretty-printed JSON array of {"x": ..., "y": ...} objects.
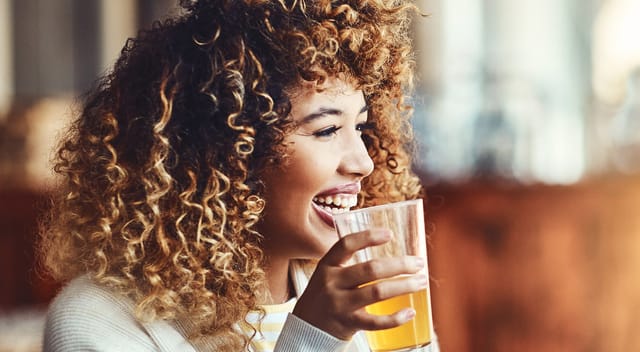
[{"x": 162, "y": 166}]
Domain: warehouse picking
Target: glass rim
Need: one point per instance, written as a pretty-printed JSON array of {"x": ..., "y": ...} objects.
[{"x": 381, "y": 207}]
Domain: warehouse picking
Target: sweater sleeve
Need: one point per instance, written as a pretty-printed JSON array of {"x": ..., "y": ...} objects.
[
  {"x": 84, "y": 317},
  {"x": 299, "y": 336}
]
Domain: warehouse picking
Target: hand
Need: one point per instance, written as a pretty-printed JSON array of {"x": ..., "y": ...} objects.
[{"x": 334, "y": 300}]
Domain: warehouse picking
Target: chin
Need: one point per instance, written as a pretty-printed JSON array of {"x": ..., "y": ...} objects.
[{"x": 319, "y": 246}]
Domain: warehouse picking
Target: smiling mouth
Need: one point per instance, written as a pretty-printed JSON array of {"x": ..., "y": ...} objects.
[
  {"x": 336, "y": 203},
  {"x": 326, "y": 206}
]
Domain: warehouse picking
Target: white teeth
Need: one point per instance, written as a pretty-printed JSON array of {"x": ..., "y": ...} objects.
[
  {"x": 333, "y": 210},
  {"x": 340, "y": 202}
]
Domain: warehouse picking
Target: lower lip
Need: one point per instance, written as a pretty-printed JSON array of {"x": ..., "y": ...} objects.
[{"x": 324, "y": 215}]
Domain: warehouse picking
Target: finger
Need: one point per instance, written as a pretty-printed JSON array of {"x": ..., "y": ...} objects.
[
  {"x": 385, "y": 289},
  {"x": 348, "y": 245},
  {"x": 367, "y": 321},
  {"x": 378, "y": 269}
]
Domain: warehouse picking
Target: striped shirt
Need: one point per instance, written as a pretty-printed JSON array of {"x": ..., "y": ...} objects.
[{"x": 268, "y": 331}]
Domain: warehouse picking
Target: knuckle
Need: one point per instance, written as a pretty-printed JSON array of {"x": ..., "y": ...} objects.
[
  {"x": 409, "y": 264},
  {"x": 377, "y": 292},
  {"x": 359, "y": 319},
  {"x": 375, "y": 323},
  {"x": 372, "y": 268},
  {"x": 356, "y": 241},
  {"x": 349, "y": 243},
  {"x": 342, "y": 245},
  {"x": 385, "y": 323},
  {"x": 369, "y": 325},
  {"x": 353, "y": 320}
]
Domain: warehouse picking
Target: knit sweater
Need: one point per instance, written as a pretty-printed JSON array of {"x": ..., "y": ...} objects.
[{"x": 86, "y": 316}]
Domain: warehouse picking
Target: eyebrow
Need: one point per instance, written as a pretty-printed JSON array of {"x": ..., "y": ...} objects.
[{"x": 321, "y": 112}]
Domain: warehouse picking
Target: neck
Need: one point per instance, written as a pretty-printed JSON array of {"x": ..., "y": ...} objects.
[{"x": 279, "y": 285}]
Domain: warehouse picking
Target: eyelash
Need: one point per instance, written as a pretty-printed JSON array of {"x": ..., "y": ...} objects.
[
  {"x": 329, "y": 131},
  {"x": 333, "y": 129}
]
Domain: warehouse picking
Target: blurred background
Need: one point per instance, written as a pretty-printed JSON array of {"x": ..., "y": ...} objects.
[{"x": 528, "y": 118}]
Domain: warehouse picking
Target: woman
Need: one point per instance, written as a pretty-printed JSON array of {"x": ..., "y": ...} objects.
[{"x": 201, "y": 175}]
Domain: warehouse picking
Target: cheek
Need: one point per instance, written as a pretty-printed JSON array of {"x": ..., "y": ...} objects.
[
  {"x": 307, "y": 170},
  {"x": 311, "y": 173}
]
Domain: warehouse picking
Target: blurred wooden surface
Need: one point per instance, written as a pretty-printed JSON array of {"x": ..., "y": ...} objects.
[
  {"x": 515, "y": 268},
  {"x": 536, "y": 268}
]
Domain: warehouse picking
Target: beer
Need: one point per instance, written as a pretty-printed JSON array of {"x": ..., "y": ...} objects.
[{"x": 414, "y": 333}]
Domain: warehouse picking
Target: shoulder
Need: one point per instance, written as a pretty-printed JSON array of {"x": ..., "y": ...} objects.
[{"x": 88, "y": 316}]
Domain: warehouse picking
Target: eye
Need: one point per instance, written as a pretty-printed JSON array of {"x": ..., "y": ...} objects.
[{"x": 327, "y": 132}]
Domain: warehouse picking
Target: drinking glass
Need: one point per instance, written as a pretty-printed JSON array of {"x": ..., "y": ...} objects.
[{"x": 406, "y": 222}]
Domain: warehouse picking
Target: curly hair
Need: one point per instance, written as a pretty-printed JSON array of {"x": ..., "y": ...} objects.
[{"x": 161, "y": 168}]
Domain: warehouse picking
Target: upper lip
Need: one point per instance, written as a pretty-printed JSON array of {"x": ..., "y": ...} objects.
[{"x": 347, "y": 188}]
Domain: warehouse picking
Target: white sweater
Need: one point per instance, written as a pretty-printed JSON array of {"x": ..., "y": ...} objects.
[{"x": 86, "y": 316}]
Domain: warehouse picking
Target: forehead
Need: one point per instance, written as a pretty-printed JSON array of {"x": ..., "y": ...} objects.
[
  {"x": 330, "y": 90},
  {"x": 333, "y": 99},
  {"x": 341, "y": 83}
]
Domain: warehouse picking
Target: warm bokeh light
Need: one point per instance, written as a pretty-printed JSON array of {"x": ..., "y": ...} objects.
[
  {"x": 616, "y": 48},
  {"x": 512, "y": 94},
  {"x": 6, "y": 60}
]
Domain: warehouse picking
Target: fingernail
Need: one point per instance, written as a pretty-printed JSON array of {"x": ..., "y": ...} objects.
[
  {"x": 418, "y": 262},
  {"x": 421, "y": 280},
  {"x": 382, "y": 234},
  {"x": 409, "y": 314}
]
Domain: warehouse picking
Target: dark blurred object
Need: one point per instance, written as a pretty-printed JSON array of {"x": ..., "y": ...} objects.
[
  {"x": 536, "y": 268},
  {"x": 22, "y": 285},
  {"x": 27, "y": 139}
]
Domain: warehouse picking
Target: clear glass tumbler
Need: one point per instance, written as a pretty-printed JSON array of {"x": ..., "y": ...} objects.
[{"x": 406, "y": 222}]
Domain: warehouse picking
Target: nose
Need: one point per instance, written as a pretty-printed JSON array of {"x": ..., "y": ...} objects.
[{"x": 355, "y": 158}]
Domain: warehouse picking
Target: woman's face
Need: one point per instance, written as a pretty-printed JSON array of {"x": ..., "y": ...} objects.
[{"x": 327, "y": 160}]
